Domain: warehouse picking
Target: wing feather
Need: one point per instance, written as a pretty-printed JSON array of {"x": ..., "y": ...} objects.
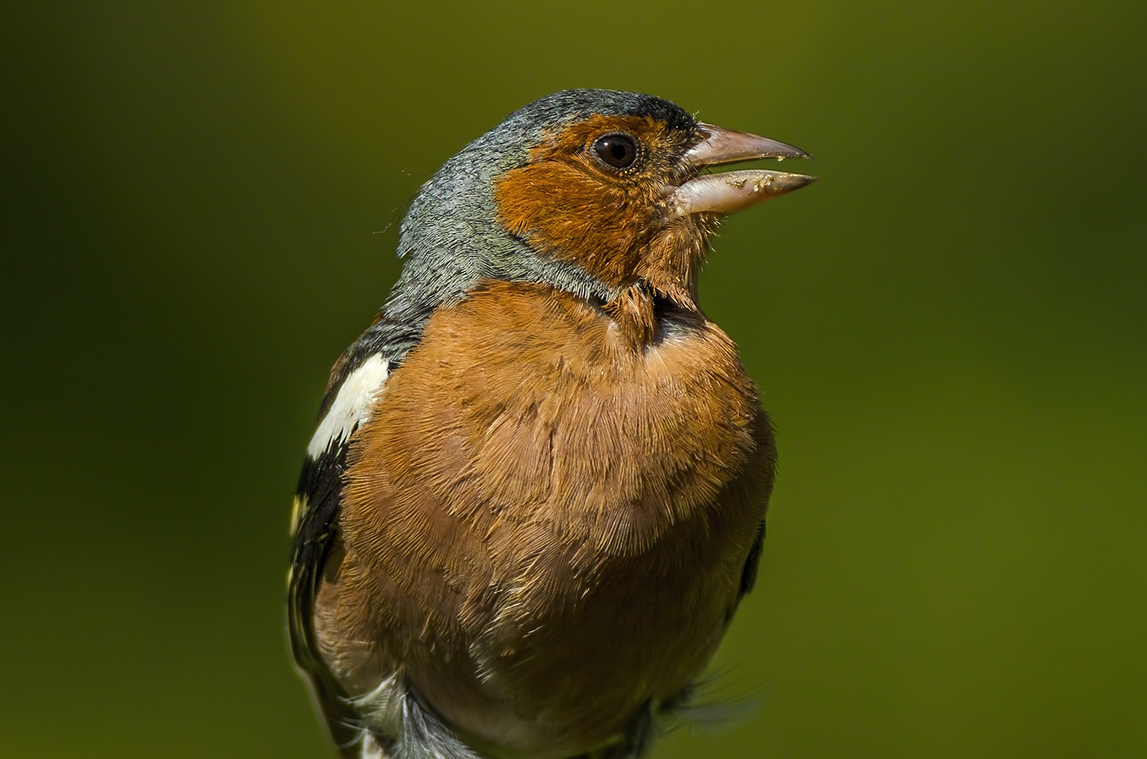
[{"x": 315, "y": 532}]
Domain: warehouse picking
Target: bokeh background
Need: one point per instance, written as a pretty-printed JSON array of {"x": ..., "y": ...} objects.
[{"x": 199, "y": 214}]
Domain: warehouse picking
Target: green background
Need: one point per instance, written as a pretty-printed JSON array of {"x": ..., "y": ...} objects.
[{"x": 199, "y": 214}]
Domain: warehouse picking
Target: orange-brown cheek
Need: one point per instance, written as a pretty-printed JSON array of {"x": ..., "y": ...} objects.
[{"x": 560, "y": 211}]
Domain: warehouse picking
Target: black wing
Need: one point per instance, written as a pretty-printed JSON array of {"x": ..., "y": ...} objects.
[
  {"x": 317, "y": 501},
  {"x": 749, "y": 572},
  {"x": 315, "y": 535},
  {"x": 765, "y": 475}
]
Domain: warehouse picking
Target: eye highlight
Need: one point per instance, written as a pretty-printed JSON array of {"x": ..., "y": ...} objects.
[{"x": 616, "y": 150}]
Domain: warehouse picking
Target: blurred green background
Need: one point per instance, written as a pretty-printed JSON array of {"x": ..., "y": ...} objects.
[{"x": 199, "y": 214}]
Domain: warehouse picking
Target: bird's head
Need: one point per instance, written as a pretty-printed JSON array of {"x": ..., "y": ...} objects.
[{"x": 596, "y": 192}]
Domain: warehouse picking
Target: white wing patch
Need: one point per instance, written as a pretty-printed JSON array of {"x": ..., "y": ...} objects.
[
  {"x": 370, "y": 747},
  {"x": 351, "y": 406}
]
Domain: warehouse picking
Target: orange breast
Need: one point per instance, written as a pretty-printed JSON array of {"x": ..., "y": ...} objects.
[{"x": 544, "y": 526}]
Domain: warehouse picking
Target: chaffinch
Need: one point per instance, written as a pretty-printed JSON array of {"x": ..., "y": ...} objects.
[{"x": 537, "y": 489}]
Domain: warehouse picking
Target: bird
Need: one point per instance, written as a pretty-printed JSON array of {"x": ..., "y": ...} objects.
[{"x": 537, "y": 487}]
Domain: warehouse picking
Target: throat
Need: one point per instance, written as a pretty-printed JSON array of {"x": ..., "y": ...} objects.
[
  {"x": 673, "y": 259},
  {"x": 637, "y": 312}
]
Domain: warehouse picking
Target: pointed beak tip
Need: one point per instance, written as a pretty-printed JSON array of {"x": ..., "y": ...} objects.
[
  {"x": 795, "y": 152},
  {"x": 785, "y": 183}
]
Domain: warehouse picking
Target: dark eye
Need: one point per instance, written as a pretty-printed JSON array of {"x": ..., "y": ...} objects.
[{"x": 617, "y": 150}]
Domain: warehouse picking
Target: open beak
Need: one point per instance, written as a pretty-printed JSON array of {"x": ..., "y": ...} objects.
[{"x": 732, "y": 191}]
